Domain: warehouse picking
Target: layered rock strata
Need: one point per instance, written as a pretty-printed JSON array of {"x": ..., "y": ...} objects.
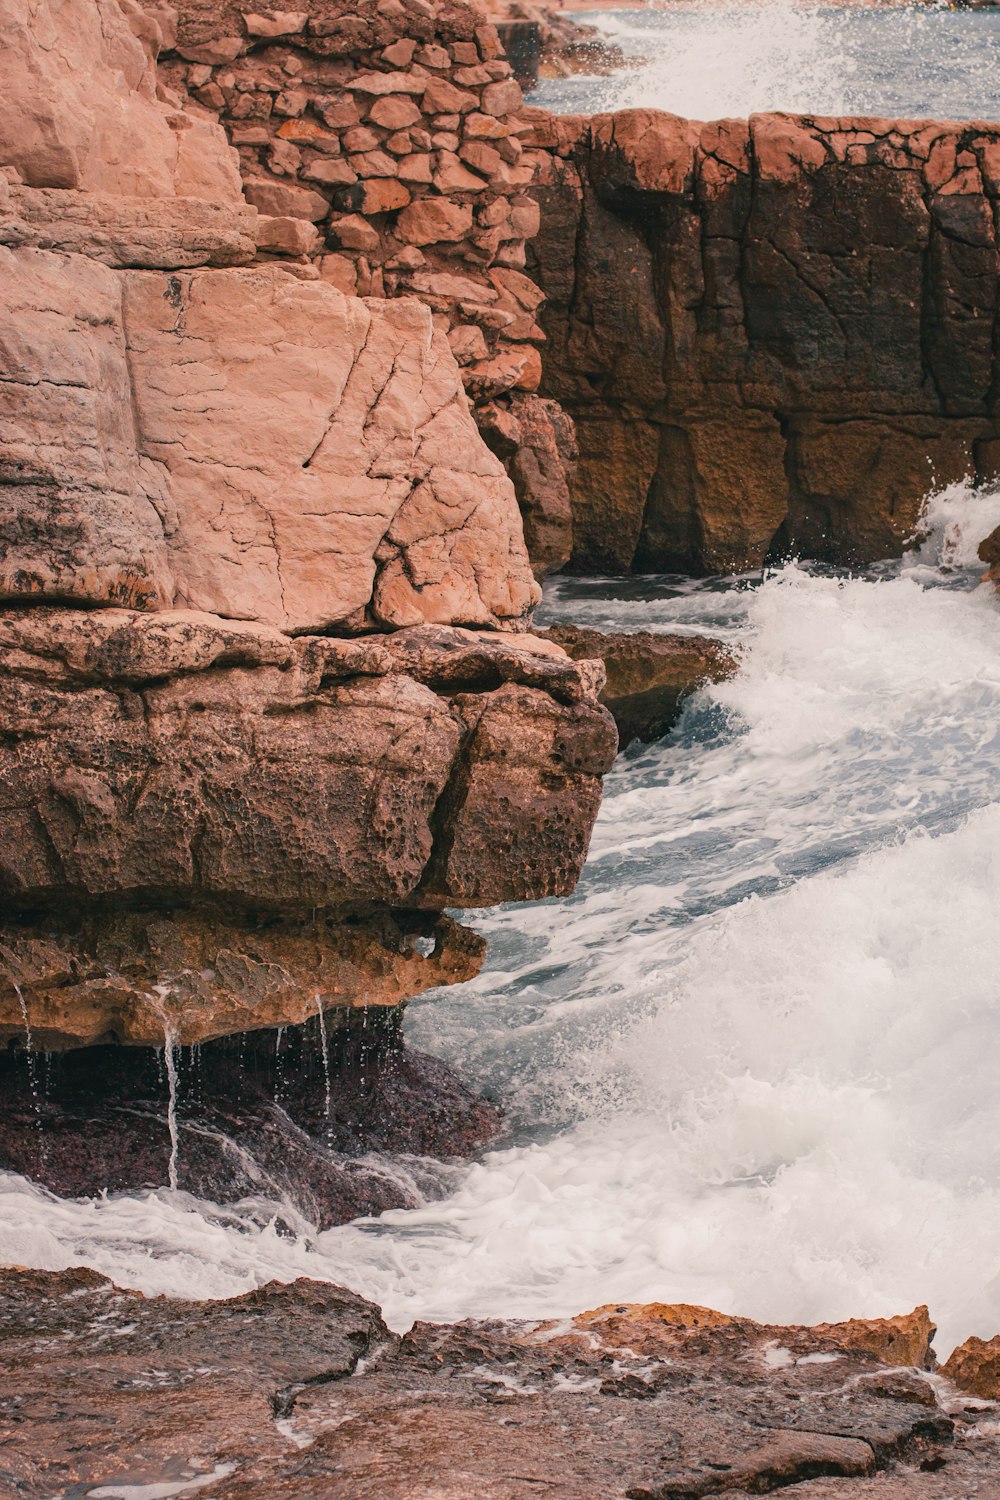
[
  {"x": 251, "y": 1396},
  {"x": 157, "y": 762},
  {"x": 383, "y": 148},
  {"x": 774, "y": 335},
  {"x": 268, "y": 702}
]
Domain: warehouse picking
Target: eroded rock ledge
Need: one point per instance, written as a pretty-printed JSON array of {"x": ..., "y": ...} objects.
[
  {"x": 302, "y": 1390},
  {"x": 247, "y": 783},
  {"x": 268, "y": 700}
]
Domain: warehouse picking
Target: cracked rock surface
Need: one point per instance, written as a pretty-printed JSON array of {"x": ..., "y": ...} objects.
[
  {"x": 299, "y": 1391},
  {"x": 267, "y": 697}
]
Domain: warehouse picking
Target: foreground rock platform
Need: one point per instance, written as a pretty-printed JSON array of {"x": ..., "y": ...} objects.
[{"x": 299, "y": 1392}]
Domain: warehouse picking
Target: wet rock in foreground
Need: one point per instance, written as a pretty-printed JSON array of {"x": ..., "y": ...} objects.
[
  {"x": 299, "y": 1392},
  {"x": 255, "y": 1118}
]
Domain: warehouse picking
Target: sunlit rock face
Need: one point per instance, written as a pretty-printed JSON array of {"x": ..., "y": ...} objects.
[
  {"x": 774, "y": 335},
  {"x": 247, "y": 444}
]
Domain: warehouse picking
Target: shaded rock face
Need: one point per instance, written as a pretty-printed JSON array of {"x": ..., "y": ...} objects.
[
  {"x": 255, "y": 1119},
  {"x": 648, "y": 675},
  {"x": 774, "y": 336},
  {"x": 301, "y": 1390}
]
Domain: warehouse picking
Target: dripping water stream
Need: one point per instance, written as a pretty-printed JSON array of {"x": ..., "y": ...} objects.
[
  {"x": 325, "y": 1053},
  {"x": 170, "y": 1063},
  {"x": 32, "y": 1060}
]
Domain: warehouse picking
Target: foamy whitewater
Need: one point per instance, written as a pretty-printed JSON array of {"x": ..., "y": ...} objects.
[
  {"x": 755, "y": 1061},
  {"x": 706, "y": 61}
]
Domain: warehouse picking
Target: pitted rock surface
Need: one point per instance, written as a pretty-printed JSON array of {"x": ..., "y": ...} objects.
[
  {"x": 229, "y": 775},
  {"x": 658, "y": 1403}
]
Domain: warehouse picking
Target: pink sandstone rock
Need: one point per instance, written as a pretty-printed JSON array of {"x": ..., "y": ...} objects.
[
  {"x": 432, "y": 220},
  {"x": 90, "y": 118},
  {"x": 181, "y": 478}
]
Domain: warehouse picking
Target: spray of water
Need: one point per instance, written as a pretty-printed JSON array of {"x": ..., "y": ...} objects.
[{"x": 707, "y": 61}]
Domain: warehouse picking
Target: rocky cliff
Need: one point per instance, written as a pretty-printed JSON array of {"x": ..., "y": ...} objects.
[
  {"x": 774, "y": 335},
  {"x": 268, "y": 701},
  {"x": 383, "y": 148}
]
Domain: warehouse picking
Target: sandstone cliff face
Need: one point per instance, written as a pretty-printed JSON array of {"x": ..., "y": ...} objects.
[
  {"x": 214, "y": 817},
  {"x": 246, "y": 444},
  {"x": 774, "y": 335},
  {"x": 384, "y": 149}
]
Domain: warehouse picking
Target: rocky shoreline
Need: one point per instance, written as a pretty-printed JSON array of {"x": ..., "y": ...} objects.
[
  {"x": 319, "y": 349},
  {"x": 300, "y": 1391}
]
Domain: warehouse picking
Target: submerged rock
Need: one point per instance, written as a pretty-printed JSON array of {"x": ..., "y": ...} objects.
[
  {"x": 307, "y": 1119},
  {"x": 648, "y": 675},
  {"x": 301, "y": 1391}
]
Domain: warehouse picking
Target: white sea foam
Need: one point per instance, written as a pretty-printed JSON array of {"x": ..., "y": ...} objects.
[
  {"x": 707, "y": 60},
  {"x": 755, "y": 1061}
]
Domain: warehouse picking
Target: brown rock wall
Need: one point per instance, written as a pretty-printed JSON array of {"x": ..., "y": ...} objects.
[
  {"x": 231, "y": 776},
  {"x": 774, "y": 336},
  {"x": 247, "y": 755}
]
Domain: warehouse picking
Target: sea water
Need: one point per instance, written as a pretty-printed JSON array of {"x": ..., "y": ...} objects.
[
  {"x": 754, "y": 1062},
  {"x": 707, "y": 61}
]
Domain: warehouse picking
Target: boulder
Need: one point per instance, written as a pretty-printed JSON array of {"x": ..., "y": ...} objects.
[
  {"x": 648, "y": 675},
  {"x": 975, "y": 1367}
]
